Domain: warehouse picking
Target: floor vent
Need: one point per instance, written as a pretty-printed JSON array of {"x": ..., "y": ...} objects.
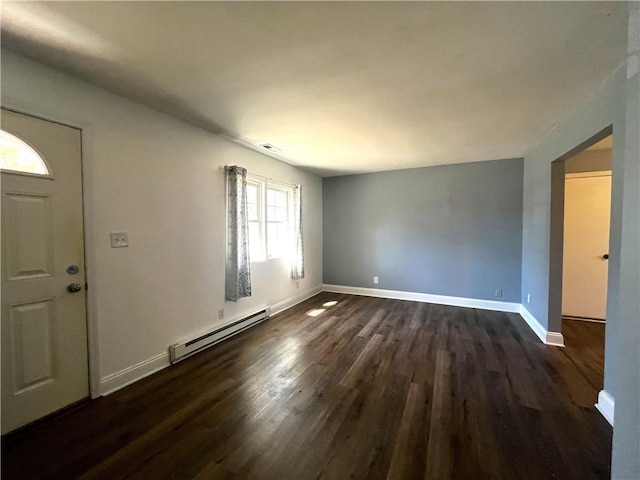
[{"x": 180, "y": 351}]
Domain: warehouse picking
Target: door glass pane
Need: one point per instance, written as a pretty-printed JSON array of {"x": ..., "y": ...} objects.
[{"x": 17, "y": 156}]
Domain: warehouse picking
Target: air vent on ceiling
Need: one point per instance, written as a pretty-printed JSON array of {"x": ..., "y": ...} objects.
[{"x": 270, "y": 147}]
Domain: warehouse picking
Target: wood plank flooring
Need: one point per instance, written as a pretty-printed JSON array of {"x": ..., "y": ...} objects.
[
  {"x": 369, "y": 389},
  {"x": 584, "y": 342}
]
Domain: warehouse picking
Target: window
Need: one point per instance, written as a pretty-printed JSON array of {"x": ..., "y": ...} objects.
[
  {"x": 255, "y": 214},
  {"x": 18, "y": 156},
  {"x": 278, "y": 231},
  {"x": 269, "y": 207}
]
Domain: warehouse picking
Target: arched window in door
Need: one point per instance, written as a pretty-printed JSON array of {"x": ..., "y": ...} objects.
[{"x": 18, "y": 156}]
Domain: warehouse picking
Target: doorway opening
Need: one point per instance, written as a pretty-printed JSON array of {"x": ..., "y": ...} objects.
[
  {"x": 579, "y": 252},
  {"x": 587, "y": 209}
]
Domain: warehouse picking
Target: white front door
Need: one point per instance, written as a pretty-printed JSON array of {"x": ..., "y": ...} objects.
[
  {"x": 44, "y": 333},
  {"x": 587, "y": 208}
]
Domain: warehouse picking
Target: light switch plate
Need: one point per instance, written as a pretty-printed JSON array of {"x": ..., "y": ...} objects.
[{"x": 119, "y": 240}]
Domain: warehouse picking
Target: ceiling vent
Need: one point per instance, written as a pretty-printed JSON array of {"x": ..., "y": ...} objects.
[{"x": 270, "y": 147}]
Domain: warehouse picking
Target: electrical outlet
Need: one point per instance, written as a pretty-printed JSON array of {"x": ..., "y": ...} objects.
[
  {"x": 498, "y": 292},
  {"x": 375, "y": 279},
  {"x": 221, "y": 314},
  {"x": 528, "y": 298},
  {"x": 119, "y": 240}
]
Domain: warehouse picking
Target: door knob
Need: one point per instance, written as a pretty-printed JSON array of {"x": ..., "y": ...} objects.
[
  {"x": 74, "y": 287},
  {"x": 605, "y": 256}
]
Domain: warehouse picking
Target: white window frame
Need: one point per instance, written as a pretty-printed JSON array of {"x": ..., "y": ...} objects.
[
  {"x": 287, "y": 222},
  {"x": 263, "y": 185}
]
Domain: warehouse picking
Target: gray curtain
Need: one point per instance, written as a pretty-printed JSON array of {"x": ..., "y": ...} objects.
[
  {"x": 237, "y": 269},
  {"x": 297, "y": 269}
]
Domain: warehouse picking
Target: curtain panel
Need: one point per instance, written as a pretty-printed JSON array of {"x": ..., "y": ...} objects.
[
  {"x": 297, "y": 268},
  {"x": 237, "y": 266}
]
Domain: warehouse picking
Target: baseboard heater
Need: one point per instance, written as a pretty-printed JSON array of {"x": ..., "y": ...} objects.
[{"x": 180, "y": 351}]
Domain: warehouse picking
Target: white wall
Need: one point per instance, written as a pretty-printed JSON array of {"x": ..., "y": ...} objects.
[{"x": 158, "y": 179}]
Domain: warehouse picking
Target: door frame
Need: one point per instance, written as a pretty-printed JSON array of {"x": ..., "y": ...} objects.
[
  {"x": 88, "y": 237},
  {"x": 556, "y": 231},
  {"x": 556, "y": 249}
]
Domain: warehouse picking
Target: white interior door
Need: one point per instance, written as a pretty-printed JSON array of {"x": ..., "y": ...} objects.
[
  {"x": 587, "y": 207},
  {"x": 44, "y": 333}
]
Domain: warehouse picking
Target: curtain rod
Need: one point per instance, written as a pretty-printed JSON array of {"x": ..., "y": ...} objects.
[{"x": 262, "y": 177}]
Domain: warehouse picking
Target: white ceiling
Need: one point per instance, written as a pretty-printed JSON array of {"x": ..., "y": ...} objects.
[{"x": 340, "y": 87}]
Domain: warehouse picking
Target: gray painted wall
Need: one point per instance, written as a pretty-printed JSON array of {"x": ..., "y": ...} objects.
[
  {"x": 614, "y": 104},
  {"x": 448, "y": 230},
  {"x": 603, "y": 109},
  {"x": 626, "y": 434}
]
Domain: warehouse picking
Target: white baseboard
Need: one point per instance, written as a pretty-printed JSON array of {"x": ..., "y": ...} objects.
[
  {"x": 606, "y": 405},
  {"x": 290, "y": 302},
  {"x": 116, "y": 381},
  {"x": 555, "y": 339},
  {"x": 129, "y": 375},
  {"x": 533, "y": 323},
  {"x": 427, "y": 298},
  {"x": 549, "y": 338}
]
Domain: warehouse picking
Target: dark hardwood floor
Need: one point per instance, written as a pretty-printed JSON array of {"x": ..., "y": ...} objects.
[
  {"x": 584, "y": 345},
  {"x": 369, "y": 389}
]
